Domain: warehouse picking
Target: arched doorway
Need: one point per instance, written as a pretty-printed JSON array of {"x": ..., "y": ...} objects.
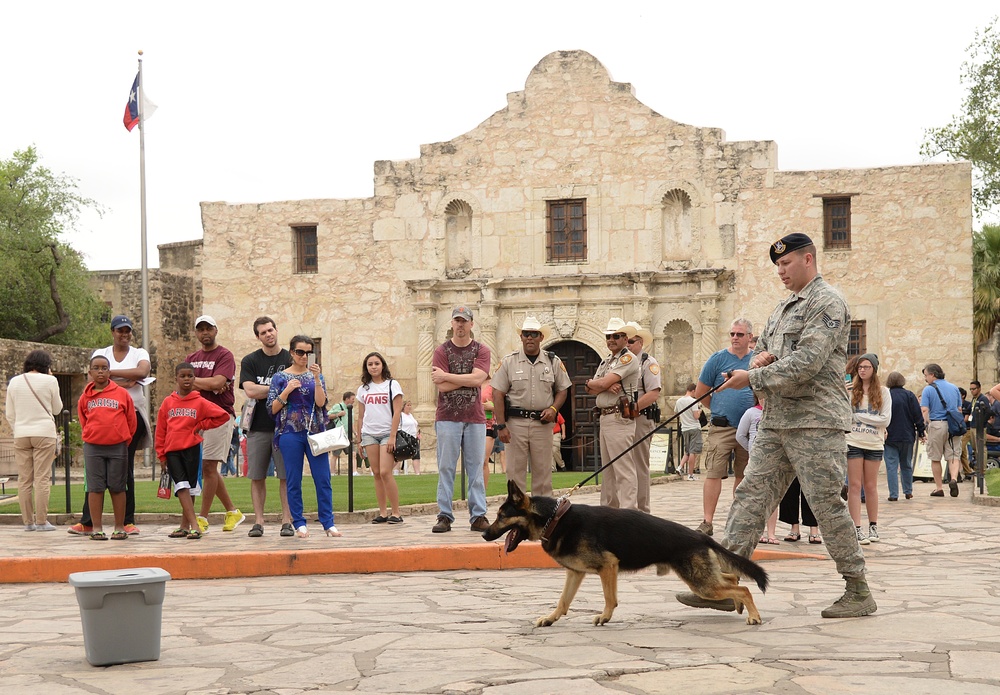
[{"x": 580, "y": 450}]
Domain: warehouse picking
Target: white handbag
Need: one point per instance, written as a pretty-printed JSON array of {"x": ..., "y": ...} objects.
[{"x": 334, "y": 439}]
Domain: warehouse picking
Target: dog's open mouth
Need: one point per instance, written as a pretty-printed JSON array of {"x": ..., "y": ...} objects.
[{"x": 514, "y": 539}]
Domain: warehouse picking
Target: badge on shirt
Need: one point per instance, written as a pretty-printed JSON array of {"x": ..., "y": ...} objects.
[{"x": 654, "y": 369}]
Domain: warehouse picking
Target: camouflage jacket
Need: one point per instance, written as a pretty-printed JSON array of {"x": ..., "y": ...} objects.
[{"x": 804, "y": 386}]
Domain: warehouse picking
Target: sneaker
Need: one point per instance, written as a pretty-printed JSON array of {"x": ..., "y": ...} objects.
[
  {"x": 479, "y": 524},
  {"x": 443, "y": 525},
  {"x": 873, "y": 533},
  {"x": 395, "y": 519},
  {"x": 286, "y": 531},
  {"x": 29, "y": 527},
  {"x": 690, "y": 476},
  {"x": 862, "y": 538},
  {"x": 44, "y": 527},
  {"x": 132, "y": 529},
  {"x": 233, "y": 519},
  {"x": 80, "y": 530},
  {"x": 202, "y": 524},
  {"x": 706, "y": 527},
  {"x": 257, "y": 531}
]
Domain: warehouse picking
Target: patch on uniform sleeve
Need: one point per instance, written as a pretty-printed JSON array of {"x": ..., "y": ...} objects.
[
  {"x": 654, "y": 369},
  {"x": 830, "y": 321},
  {"x": 562, "y": 365},
  {"x": 625, "y": 359}
]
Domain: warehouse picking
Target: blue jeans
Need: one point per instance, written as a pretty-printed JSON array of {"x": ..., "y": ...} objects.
[
  {"x": 468, "y": 439},
  {"x": 294, "y": 447},
  {"x": 899, "y": 464}
]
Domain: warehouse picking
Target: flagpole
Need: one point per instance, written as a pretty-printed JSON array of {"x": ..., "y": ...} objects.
[{"x": 142, "y": 217}]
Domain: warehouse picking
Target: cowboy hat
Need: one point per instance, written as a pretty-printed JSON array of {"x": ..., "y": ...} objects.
[
  {"x": 532, "y": 324},
  {"x": 616, "y": 325},
  {"x": 647, "y": 337}
]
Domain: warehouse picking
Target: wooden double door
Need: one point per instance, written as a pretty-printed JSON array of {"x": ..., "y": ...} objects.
[{"x": 580, "y": 450}]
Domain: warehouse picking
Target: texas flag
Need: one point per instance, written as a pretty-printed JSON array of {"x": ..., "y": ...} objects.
[{"x": 132, "y": 107}]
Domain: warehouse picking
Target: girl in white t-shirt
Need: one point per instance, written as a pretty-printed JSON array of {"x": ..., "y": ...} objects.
[
  {"x": 872, "y": 405},
  {"x": 380, "y": 402}
]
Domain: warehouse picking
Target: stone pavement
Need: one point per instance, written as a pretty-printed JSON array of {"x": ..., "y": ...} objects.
[{"x": 934, "y": 576}]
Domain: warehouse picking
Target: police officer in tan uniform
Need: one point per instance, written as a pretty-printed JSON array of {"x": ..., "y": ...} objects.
[
  {"x": 649, "y": 411},
  {"x": 617, "y": 374},
  {"x": 535, "y": 384}
]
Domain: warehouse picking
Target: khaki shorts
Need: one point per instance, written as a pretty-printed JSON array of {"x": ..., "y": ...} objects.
[
  {"x": 722, "y": 443},
  {"x": 217, "y": 442},
  {"x": 940, "y": 445}
]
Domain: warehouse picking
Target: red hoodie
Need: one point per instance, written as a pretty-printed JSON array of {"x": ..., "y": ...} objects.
[
  {"x": 107, "y": 416},
  {"x": 179, "y": 420}
]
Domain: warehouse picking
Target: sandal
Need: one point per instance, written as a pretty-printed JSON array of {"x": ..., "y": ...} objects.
[
  {"x": 179, "y": 533},
  {"x": 380, "y": 519},
  {"x": 793, "y": 537},
  {"x": 395, "y": 519},
  {"x": 194, "y": 534},
  {"x": 98, "y": 536},
  {"x": 119, "y": 536},
  {"x": 772, "y": 541},
  {"x": 815, "y": 540}
]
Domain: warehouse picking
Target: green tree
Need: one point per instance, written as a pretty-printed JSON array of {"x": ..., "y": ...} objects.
[
  {"x": 974, "y": 134},
  {"x": 44, "y": 288},
  {"x": 985, "y": 282}
]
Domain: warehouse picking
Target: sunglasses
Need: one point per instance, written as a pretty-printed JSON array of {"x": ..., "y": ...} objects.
[
  {"x": 301, "y": 353},
  {"x": 617, "y": 336},
  {"x": 633, "y": 341},
  {"x": 736, "y": 335},
  {"x": 531, "y": 334}
]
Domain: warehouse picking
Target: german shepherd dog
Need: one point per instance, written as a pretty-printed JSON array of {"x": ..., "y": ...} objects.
[{"x": 606, "y": 541}]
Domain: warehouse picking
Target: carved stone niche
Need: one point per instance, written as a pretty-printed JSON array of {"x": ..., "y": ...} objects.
[{"x": 565, "y": 318}]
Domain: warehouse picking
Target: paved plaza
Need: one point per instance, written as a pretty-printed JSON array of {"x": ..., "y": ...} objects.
[{"x": 934, "y": 576}]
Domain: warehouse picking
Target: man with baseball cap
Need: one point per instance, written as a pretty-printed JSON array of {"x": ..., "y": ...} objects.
[
  {"x": 798, "y": 368},
  {"x": 460, "y": 367},
  {"x": 129, "y": 367},
  {"x": 214, "y": 373},
  {"x": 617, "y": 376},
  {"x": 536, "y": 383}
]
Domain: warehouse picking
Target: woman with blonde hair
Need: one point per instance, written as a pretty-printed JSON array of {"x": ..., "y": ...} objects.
[{"x": 872, "y": 406}]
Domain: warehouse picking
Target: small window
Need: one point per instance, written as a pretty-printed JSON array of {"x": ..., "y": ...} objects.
[
  {"x": 566, "y": 231},
  {"x": 305, "y": 248},
  {"x": 837, "y": 223},
  {"x": 857, "y": 343}
]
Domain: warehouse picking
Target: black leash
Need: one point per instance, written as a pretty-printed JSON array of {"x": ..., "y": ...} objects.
[{"x": 729, "y": 375}]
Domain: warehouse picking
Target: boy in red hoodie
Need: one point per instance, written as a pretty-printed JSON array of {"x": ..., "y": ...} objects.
[
  {"x": 107, "y": 416},
  {"x": 183, "y": 414}
]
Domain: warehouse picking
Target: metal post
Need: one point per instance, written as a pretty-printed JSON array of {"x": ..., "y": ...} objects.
[
  {"x": 350, "y": 459},
  {"x": 66, "y": 459}
]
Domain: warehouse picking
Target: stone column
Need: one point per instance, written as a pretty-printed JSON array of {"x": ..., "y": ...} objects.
[{"x": 426, "y": 401}]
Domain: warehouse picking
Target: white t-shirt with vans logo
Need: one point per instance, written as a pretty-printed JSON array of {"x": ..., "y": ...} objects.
[{"x": 378, "y": 410}]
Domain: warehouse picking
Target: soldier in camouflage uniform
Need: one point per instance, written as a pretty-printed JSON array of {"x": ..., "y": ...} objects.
[{"x": 798, "y": 367}]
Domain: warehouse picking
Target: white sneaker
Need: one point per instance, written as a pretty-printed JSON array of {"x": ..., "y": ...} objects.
[
  {"x": 690, "y": 476},
  {"x": 873, "y": 533},
  {"x": 45, "y": 527},
  {"x": 862, "y": 538}
]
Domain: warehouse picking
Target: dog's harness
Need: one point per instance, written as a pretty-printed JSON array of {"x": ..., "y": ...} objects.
[{"x": 550, "y": 525}]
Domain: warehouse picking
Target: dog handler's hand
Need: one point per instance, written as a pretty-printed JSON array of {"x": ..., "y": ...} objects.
[
  {"x": 762, "y": 359},
  {"x": 737, "y": 379}
]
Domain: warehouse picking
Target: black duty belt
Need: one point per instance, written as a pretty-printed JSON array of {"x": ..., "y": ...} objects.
[{"x": 527, "y": 414}]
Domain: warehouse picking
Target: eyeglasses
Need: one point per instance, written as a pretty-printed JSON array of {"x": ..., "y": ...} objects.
[
  {"x": 864, "y": 366},
  {"x": 633, "y": 341},
  {"x": 531, "y": 334},
  {"x": 733, "y": 334},
  {"x": 617, "y": 336},
  {"x": 301, "y": 353}
]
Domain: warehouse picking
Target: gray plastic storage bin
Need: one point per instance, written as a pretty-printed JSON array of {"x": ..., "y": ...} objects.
[{"x": 121, "y": 612}]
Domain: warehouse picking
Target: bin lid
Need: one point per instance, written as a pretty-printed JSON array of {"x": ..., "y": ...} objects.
[{"x": 122, "y": 577}]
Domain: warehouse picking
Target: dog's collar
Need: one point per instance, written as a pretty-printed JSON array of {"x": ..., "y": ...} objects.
[{"x": 550, "y": 525}]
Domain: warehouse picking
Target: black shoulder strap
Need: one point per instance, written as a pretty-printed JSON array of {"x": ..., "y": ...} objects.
[{"x": 940, "y": 397}]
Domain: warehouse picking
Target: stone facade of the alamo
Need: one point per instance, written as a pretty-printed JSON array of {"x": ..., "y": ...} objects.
[{"x": 575, "y": 203}]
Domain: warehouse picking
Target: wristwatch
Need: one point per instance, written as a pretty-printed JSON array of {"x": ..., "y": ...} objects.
[{"x": 500, "y": 426}]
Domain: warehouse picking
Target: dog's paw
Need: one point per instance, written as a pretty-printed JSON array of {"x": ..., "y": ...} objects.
[
  {"x": 754, "y": 620},
  {"x": 601, "y": 619},
  {"x": 545, "y": 621}
]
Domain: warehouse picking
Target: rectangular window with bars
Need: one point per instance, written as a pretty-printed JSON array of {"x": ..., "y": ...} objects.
[
  {"x": 857, "y": 343},
  {"x": 836, "y": 223},
  {"x": 566, "y": 231},
  {"x": 305, "y": 247}
]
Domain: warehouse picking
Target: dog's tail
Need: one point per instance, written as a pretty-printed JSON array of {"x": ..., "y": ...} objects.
[{"x": 743, "y": 566}]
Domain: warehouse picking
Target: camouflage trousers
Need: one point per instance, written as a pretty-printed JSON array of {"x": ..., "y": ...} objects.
[{"x": 819, "y": 458}]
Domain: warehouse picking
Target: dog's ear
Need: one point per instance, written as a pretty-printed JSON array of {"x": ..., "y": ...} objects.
[{"x": 514, "y": 493}]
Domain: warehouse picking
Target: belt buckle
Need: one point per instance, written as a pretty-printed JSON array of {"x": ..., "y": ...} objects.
[{"x": 534, "y": 415}]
